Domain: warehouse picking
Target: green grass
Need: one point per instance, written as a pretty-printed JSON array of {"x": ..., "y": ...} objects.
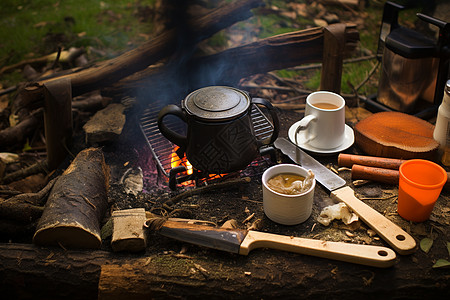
[{"x": 36, "y": 28}]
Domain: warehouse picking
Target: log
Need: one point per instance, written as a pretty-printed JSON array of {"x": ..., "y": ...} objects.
[
  {"x": 31, "y": 272},
  {"x": 25, "y": 208},
  {"x": 27, "y": 270},
  {"x": 13, "y": 136},
  {"x": 76, "y": 204},
  {"x": 229, "y": 66}
]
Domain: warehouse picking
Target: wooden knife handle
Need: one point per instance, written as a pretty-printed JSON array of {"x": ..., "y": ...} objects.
[
  {"x": 401, "y": 241},
  {"x": 375, "y": 256}
]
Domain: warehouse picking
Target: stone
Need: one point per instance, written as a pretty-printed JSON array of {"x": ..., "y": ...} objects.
[{"x": 106, "y": 125}]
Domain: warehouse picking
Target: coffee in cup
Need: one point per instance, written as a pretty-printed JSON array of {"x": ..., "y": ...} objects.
[
  {"x": 323, "y": 125},
  {"x": 289, "y": 183}
]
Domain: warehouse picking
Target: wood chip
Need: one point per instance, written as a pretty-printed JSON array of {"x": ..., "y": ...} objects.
[
  {"x": 371, "y": 232},
  {"x": 248, "y": 218}
]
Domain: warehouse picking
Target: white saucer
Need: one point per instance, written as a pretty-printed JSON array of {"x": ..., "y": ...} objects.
[{"x": 349, "y": 139}]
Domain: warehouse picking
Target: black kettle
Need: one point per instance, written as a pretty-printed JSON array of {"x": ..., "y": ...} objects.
[{"x": 220, "y": 135}]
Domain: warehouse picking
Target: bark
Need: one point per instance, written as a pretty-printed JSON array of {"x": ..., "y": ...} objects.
[
  {"x": 24, "y": 208},
  {"x": 13, "y": 136},
  {"x": 27, "y": 270},
  {"x": 39, "y": 167},
  {"x": 76, "y": 204}
]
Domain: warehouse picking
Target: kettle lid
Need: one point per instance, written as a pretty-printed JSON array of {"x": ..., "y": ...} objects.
[{"x": 217, "y": 103}]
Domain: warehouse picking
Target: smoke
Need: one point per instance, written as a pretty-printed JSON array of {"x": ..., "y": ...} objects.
[{"x": 184, "y": 71}]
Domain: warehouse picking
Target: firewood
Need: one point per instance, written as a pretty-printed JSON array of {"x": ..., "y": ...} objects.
[
  {"x": 67, "y": 56},
  {"x": 76, "y": 204},
  {"x": 12, "y": 136},
  {"x": 57, "y": 120},
  {"x": 38, "y": 167},
  {"x": 128, "y": 230},
  {"x": 27, "y": 207}
]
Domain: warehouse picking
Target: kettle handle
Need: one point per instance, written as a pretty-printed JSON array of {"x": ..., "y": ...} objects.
[
  {"x": 273, "y": 114},
  {"x": 172, "y": 136}
]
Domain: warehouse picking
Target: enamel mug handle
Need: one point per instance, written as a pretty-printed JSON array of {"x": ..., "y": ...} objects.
[{"x": 303, "y": 125}]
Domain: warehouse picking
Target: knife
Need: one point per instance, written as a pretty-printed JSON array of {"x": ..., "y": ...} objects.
[
  {"x": 401, "y": 241},
  {"x": 243, "y": 241}
]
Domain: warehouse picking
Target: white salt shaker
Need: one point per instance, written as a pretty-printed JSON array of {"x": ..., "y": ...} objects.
[{"x": 442, "y": 129}]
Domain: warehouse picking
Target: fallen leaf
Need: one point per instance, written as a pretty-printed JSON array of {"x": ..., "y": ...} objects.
[
  {"x": 448, "y": 247},
  {"x": 40, "y": 24},
  {"x": 441, "y": 263},
  {"x": 425, "y": 244}
]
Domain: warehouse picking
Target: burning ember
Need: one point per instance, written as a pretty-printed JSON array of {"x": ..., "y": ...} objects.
[{"x": 175, "y": 161}]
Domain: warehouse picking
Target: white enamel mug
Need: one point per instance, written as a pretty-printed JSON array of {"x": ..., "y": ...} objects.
[
  {"x": 323, "y": 126},
  {"x": 287, "y": 209}
]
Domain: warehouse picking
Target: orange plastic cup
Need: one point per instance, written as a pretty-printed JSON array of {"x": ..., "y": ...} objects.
[{"x": 420, "y": 184}]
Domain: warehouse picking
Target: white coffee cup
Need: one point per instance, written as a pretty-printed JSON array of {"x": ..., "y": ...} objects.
[
  {"x": 283, "y": 208},
  {"x": 323, "y": 126}
]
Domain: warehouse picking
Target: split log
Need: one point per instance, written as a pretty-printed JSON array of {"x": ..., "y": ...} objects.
[
  {"x": 76, "y": 204},
  {"x": 128, "y": 230}
]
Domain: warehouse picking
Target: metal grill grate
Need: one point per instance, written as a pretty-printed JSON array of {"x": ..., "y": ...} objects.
[{"x": 163, "y": 149}]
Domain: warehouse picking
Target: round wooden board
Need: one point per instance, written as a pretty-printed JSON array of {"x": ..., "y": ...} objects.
[{"x": 396, "y": 135}]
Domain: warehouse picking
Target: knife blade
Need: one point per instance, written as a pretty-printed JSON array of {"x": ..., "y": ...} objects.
[
  {"x": 243, "y": 241},
  {"x": 395, "y": 236}
]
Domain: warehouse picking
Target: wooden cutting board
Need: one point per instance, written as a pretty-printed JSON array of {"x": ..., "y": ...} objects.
[{"x": 396, "y": 135}]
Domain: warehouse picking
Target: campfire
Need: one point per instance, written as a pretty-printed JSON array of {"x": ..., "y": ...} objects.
[{"x": 178, "y": 170}]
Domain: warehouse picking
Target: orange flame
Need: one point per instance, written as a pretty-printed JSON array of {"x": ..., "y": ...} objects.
[{"x": 175, "y": 161}]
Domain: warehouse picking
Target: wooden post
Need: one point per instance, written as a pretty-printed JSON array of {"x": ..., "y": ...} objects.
[
  {"x": 333, "y": 57},
  {"x": 57, "y": 119}
]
